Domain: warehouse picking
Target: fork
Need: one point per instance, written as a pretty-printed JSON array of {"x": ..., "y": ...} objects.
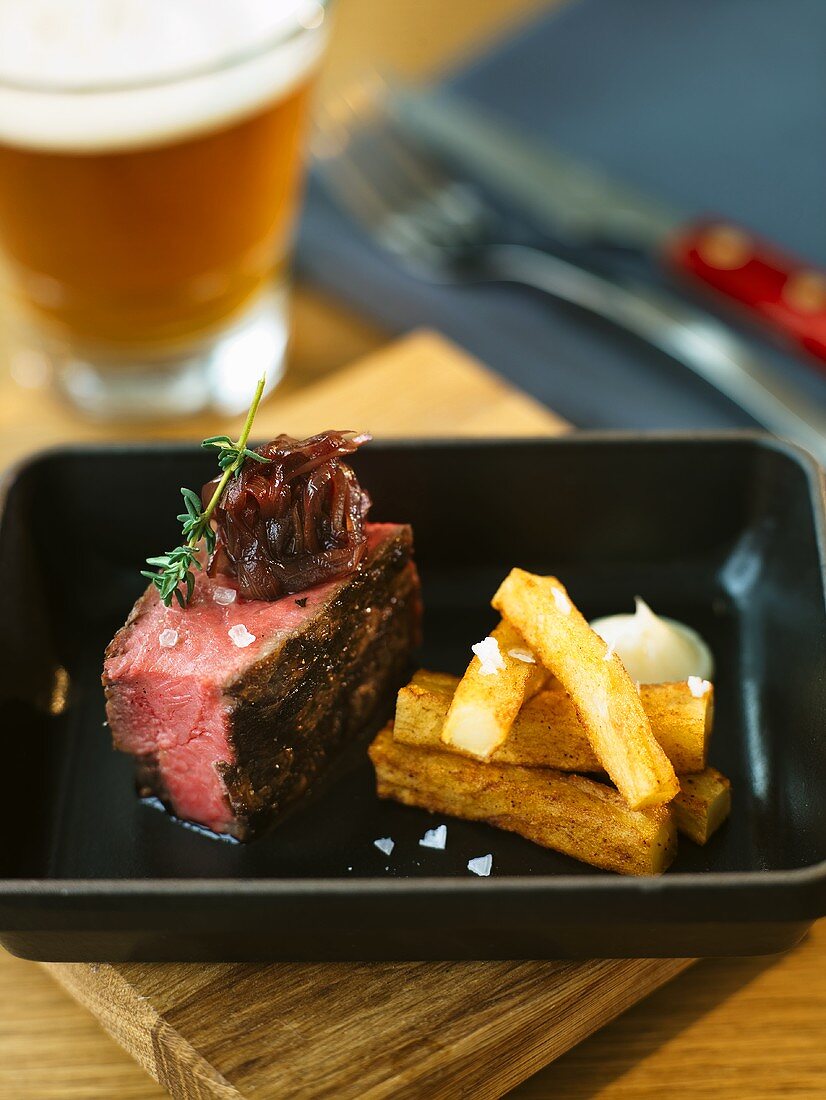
[{"x": 440, "y": 228}]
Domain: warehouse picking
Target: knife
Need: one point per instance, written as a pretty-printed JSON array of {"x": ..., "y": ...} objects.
[{"x": 786, "y": 295}]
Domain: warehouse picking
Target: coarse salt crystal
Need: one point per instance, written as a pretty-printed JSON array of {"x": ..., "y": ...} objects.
[
  {"x": 698, "y": 686},
  {"x": 610, "y": 651},
  {"x": 522, "y": 655},
  {"x": 224, "y": 596},
  {"x": 490, "y": 656},
  {"x": 434, "y": 838},
  {"x": 240, "y": 636},
  {"x": 385, "y": 844},
  {"x": 481, "y": 865},
  {"x": 168, "y": 638},
  {"x": 561, "y": 600}
]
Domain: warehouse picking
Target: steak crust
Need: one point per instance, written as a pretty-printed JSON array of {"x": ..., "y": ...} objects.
[{"x": 285, "y": 711}]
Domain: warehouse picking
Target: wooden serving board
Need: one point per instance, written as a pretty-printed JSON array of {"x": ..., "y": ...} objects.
[{"x": 348, "y": 1030}]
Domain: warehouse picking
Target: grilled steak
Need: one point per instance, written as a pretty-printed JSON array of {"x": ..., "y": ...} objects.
[{"x": 227, "y": 733}]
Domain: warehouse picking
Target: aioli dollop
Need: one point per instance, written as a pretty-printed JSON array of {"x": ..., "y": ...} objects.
[{"x": 655, "y": 650}]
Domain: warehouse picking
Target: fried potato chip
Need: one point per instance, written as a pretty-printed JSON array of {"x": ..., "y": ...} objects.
[
  {"x": 547, "y": 732},
  {"x": 605, "y": 698},
  {"x": 491, "y": 693},
  {"x": 703, "y": 804},
  {"x": 569, "y": 813}
]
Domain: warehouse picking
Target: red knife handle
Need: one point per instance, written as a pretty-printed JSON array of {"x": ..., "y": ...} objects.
[{"x": 779, "y": 290}]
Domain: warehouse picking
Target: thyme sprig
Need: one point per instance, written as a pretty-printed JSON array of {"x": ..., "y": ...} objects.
[{"x": 172, "y": 573}]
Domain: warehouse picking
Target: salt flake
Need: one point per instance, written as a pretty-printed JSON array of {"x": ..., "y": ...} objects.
[
  {"x": 385, "y": 844},
  {"x": 434, "y": 838},
  {"x": 168, "y": 638},
  {"x": 561, "y": 600},
  {"x": 224, "y": 596},
  {"x": 698, "y": 687},
  {"x": 481, "y": 865},
  {"x": 522, "y": 655},
  {"x": 240, "y": 636},
  {"x": 490, "y": 656},
  {"x": 610, "y": 651}
]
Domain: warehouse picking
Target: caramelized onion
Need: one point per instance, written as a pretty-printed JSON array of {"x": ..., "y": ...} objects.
[{"x": 293, "y": 522}]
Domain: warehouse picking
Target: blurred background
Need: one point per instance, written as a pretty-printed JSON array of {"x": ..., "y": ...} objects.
[
  {"x": 41, "y": 190},
  {"x": 651, "y": 167}
]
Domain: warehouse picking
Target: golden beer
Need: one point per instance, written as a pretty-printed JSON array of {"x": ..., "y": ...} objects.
[
  {"x": 139, "y": 221},
  {"x": 141, "y": 247}
]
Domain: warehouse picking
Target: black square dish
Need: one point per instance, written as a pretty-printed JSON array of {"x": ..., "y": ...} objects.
[{"x": 725, "y": 532}]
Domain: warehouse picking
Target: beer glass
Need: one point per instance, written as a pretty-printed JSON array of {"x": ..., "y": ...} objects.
[{"x": 150, "y": 166}]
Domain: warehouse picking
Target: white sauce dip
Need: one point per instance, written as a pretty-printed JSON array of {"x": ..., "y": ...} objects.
[{"x": 655, "y": 650}]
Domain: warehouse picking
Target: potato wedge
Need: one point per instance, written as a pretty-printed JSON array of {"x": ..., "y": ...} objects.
[
  {"x": 547, "y": 732},
  {"x": 569, "y": 813},
  {"x": 602, "y": 692},
  {"x": 485, "y": 704},
  {"x": 703, "y": 804}
]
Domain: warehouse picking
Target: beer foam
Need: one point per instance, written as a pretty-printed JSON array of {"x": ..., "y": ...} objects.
[{"x": 97, "y": 75}]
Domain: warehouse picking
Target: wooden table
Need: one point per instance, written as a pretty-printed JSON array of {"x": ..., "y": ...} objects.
[
  {"x": 729, "y": 1029},
  {"x": 705, "y": 1032}
]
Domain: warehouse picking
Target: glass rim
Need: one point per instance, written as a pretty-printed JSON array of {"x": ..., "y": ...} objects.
[{"x": 227, "y": 62}]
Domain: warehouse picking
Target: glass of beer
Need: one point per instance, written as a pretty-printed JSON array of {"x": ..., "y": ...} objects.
[{"x": 150, "y": 168}]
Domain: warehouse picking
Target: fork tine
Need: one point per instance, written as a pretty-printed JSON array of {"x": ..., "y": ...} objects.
[
  {"x": 357, "y": 189},
  {"x": 369, "y": 182},
  {"x": 420, "y": 178},
  {"x": 369, "y": 148},
  {"x": 457, "y": 202},
  {"x": 333, "y": 146},
  {"x": 398, "y": 190}
]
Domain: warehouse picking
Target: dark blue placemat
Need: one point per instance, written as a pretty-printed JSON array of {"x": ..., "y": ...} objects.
[{"x": 716, "y": 105}]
